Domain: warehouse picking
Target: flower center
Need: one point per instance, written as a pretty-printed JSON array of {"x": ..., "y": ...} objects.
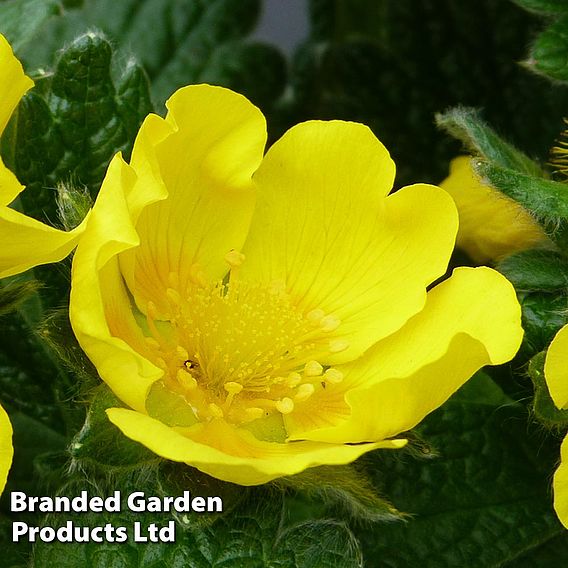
[{"x": 239, "y": 351}]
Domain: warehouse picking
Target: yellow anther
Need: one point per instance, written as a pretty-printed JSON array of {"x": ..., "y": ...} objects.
[
  {"x": 313, "y": 369},
  {"x": 233, "y": 388},
  {"x": 338, "y": 345},
  {"x": 294, "y": 379},
  {"x": 285, "y": 406},
  {"x": 234, "y": 258},
  {"x": 304, "y": 392},
  {"x": 329, "y": 323},
  {"x": 253, "y": 413},
  {"x": 182, "y": 353},
  {"x": 333, "y": 376},
  {"x": 152, "y": 310},
  {"x": 186, "y": 380},
  {"x": 315, "y": 316},
  {"x": 215, "y": 411},
  {"x": 173, "y": 296},
  {"x": 197, "y": 275}
]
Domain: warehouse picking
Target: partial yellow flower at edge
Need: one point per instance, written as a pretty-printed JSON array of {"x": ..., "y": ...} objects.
[
  {"x": 556, "y": 374},
  {"x": 491, "y": 224},
  {"x": 262, "y": 314},
  {"x": 25, "y": 241},
  {"x": 6, "y": 448}
]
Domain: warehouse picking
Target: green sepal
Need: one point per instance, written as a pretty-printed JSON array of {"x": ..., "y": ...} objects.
[
  {"x": 535, "y": 270},
  {"x": 466, "y": 125},
  {"x": 101, "y": 446},
  {"x": 14, "y": 292},
  {"x": 344, "y": 488},
  {"x": 20, "y": 20},
  {"x": 544, "y": 6},
  {"x": 549, "y": 53},
  {"x": 73, "y": 204},
  {"x": 543, "y": 405}
]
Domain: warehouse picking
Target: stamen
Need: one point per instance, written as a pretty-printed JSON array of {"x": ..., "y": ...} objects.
[
  {"x": 333, "y": 376},
  {"x": 338, "y": 345},
  {"x": 304, "y": 392},
  {"x": 294, "y": 379},
  {"x": 315, "y": 316},
  {"x": 215, "y": 411},
  {"x": 329, "y": 323},
  {"x": 313, "y": 369},
  {"x": 285, "y": 406},
  {"x": 186, "y": 380}
]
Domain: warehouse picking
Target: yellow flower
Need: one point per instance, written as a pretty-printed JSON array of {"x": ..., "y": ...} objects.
[
  {"x": 25, "y": 241},
  {"x": 6, "y": 449},
  {"x": 262, "y": 315},
  {"x": 556, "y": 373},
  {"x": 491, "y": 224}
]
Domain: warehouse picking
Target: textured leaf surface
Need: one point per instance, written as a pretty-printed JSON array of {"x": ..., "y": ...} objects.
[
  {"x": 484, "y": 500},
  {"x": 179, "y": 43}
]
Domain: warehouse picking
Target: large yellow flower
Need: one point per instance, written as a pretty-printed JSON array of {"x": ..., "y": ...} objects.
[
  {"x": 262, "y": 315},
  {"x": 491, "y": 224},
  {"x": 556, "y": 373},
  {"x": 6, "y": 449},
  {"x": 25, "y": 241}
]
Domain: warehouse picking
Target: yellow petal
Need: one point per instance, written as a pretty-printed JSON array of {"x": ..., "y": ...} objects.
[
  {"x": 100, "y": 310},
  {"x": 242, "y": 459},
  {"x": 13, "y": 84},
  {"x": 6, "y": 448},
  {"x": 27, "y": 242},
  {"x": 556, "y": 368},
  {"x": 560, "y": 485},
  {"x": 470, "y": 320},
  {"x": 206, "y": 165},
  {"x": 324, "y": 226},
  {"x": 491, "y": 224}
]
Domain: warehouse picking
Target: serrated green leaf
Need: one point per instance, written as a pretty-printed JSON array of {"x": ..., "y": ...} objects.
[
  {"x": 485, "y": 500},
  {"x": 544, "y": 6},
  {"x": 191, "y": 41},
  {"x": 20, "y": 20},
  {"x": 466, "y": 125},
  {"x": 535, "y": 270},
  {"x": 549, "y": 53},
  {"x": 544, "y": 408},
  {"x": 254, "y": 536}
]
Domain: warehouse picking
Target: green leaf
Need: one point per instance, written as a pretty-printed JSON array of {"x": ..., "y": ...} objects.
[
  {"x": 542, "y": 316},
  {"x": 489, "y": 483},
  {"x": 549, "y": 53},
  {"x": 20, "y": 20},
  {"x": 544, "y": 408},
  {"x": 254, "y": 536},
  {"x": 344, "y": 488},
  {"x": 466, "y": 125},
  {"x": 544, "y": 6},
  {"x": 191, "y": 42},
  {"x": 535, "y": 270}
]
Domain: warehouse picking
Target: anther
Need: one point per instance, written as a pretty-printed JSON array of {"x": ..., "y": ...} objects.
[
  {"x": 186, "y": 380},
  {"x": 152, "y": 310},
  {"x": 234, "y": 258},
  {"x": 313, "y": 369},
  {"x": 215, "y": 411},
  {"x": 182, "y": 353},
  {"x": 294, "y": 379},
  {"x": 285, "y": 406},
  {"x": 333, "y": 376},
  {"x": 338, "y": 345},
  {"x": 315, "y": 316},
  {"x": 253, "y": 413},
  {"x": 173, "y": 296},
  {"x": 329, "y": 323},
  {"x": 233, "y": 388},
  {"x": 304, "y": 392}
]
